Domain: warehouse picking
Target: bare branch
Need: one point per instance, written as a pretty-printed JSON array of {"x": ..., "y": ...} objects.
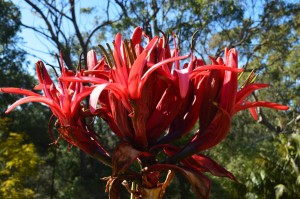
[
  {"x": 98, "y": 27},
  {"x": 264, "y": 120},
  {"x": 36, "y": 30},
  {"x": 58, "y": 11},
  {"x": 124, "y": 11},
  {"x": 48, "y": 24},
  {"x": 74, "y": 21}
]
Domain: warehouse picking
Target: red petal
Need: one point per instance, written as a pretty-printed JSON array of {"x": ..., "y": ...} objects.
[
  {"x": 137, "y": 36},
  {"x": 79, "y": 97},
  {"x": 186, "y": 119},
  {"x": 214, "y": 133},
  {"x": 86, "y": 140},
  {"x": 231, "y": 58},
  {"x": 247, "y": 90},
  {"x": 200, "y": 162},
  {"x": 97, "y": 73},
  {"x": 156, "y": 66},
  {"x": 253, "y": 113},
  {"x": 94, "y": 80},
  {"x": 18, "y": 91},
  {"x": 91, "y": 59},
  {"x": 211, "y": 94},
  {"x": 139, "y": 118},
  {"x": 184, "y": 81},
  {"x": 55, "y": 108},
  {"x": 117, "y": 52},
  {"x": 135, "y": 75},
  {"x": 215, "y": 67},
  {"x": 260, "y": 104},
  {"x": 119, "y": 90},
  {"x": 42, "y": 73},
  {"x": 163, "y": 114},
  {"x": 152, "y": 55},
  {"x": 230, "y": 83},
  {"x": 42, "y": 87}
]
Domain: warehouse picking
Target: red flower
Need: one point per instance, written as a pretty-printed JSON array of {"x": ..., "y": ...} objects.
[
  {"x": 141, "y": 89},
  {"x": 149, "y": 100},
  {"x": 65, "y": 104},
  {"x": 221, "y": 99}
]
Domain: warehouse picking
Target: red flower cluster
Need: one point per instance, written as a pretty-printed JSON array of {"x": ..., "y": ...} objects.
[{"x": 149, "y": 100}]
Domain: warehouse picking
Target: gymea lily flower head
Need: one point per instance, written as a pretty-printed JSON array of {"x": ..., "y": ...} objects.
[
  {"x": 65, "y": 102},
  {"x": 149, "y": 99}
]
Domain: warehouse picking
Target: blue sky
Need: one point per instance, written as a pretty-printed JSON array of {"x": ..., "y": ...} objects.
[{"x": 36, "y": 45}]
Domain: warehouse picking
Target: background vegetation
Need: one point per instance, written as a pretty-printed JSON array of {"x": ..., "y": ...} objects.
[{"x": 263, "y": 155}]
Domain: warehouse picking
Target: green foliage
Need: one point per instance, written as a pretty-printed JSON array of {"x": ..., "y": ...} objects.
[
  {"x": 9, "y": 21},
  {"x": 69, "y": 173},
  {"x": 87, "y": 10},
  {"x": 277, "y": 174},
  {"x": 265, "y": 164},
  {"x": 12, "y": 59},
  {"x": 18, "y": 164}
]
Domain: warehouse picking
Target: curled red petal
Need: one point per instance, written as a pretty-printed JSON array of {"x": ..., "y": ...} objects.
[
  {"x": 54, "y": 107},
  {"x": 156, "y": 66},
  {"x": 260, "y": 104},
  {"x": 94, "y": 80},
  {"x": 20, "y": 91},
  {"x": 200, "y": 162},
  {"x": 79, "y": 97},
  {"x": 215, "y": 67},
  {"x": 247, "y": 90},
  {"x": 119, "y": 90}
]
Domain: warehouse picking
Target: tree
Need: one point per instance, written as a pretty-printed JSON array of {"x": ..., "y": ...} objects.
[
  {"x": 14, "y": 72},
  {"x": 18, "y": 164},
  {"x": 56, "y": 15},
  {"x": 264, "y": 158},
  {"x": 11, "y": 58}
]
